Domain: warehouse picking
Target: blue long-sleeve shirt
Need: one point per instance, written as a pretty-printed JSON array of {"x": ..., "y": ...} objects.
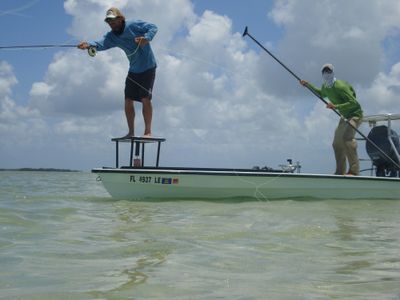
[{"x": 140, "y": 58}]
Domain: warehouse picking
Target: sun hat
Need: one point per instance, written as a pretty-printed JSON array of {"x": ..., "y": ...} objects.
[
  {"x": 113, "y": 13},
  {"x": 327, "y": 66}
]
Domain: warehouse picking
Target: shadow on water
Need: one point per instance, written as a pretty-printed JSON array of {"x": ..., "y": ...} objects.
[
  {"x": 228, "y": 200},
  {"x": 360, "y": 249},
  {"x": 134, "y": 276},
  {"x": 353, "y": 259}
]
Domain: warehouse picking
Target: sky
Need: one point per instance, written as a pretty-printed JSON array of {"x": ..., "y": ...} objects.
[{"x": 219, "y": 100}]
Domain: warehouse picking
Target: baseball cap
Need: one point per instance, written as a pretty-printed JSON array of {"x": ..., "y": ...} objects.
[
  {"x": 113, "y": 13},
  {"x": 327, "y": 66}
]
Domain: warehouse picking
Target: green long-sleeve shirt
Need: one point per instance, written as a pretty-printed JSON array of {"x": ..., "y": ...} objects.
[{"x": 342, "y": 95}]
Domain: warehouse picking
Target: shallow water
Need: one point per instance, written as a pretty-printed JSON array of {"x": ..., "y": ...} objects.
[{"x": 63, "y": 237}]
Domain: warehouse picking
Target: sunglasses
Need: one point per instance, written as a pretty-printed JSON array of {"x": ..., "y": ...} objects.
[
  {"x": 326, "y": 70},
  {"x": 111, "y": 20}
]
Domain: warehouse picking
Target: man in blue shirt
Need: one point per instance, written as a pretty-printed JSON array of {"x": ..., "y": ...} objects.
[{"x": 133, "y": 38}]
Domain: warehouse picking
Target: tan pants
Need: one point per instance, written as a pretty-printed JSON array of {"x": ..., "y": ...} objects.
[{"x": 345, "y": 147}]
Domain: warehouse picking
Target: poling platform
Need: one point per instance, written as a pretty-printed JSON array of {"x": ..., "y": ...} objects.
[{"x": 137, "y": 144}]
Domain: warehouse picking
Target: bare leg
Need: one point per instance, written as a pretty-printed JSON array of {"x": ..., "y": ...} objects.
[
  {"x": 147, "y": 111},
  {"x": 130, "y": 116}
]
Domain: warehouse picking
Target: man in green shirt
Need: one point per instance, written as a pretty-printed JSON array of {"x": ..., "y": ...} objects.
[{"x": 342, "y": 98}]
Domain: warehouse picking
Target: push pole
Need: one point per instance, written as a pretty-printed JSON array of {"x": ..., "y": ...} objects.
[{"x": 246, "y": 32}]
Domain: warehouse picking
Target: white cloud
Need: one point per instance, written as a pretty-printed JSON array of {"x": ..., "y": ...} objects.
[
  {"x": 342, "y": 32},
  {"x": 16, "y": 121},
  {"x": 384, "y": 93},
  {"x": 170, "y": 16},
  {"x": 40, "y": 90},
  {"x": 7, "y": 78},
  {"x": 283, "y": 12},
  {"x": 76, "y": 84},
  {"x": 216, "y": 28}
]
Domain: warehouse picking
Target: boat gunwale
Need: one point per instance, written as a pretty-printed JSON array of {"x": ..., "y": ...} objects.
[{"x": 235, "y": 172}]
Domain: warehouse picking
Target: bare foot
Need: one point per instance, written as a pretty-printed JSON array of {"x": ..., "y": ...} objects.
[
  {"x": 147, "y": 135},
  {"x": 128, "y": 136}
]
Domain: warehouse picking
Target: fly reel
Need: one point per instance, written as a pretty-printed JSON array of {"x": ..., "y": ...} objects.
[{"x": 92, "y": 51}]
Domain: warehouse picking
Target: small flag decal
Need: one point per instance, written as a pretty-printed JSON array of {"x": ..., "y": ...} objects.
[{"x": 166, "y": 180}]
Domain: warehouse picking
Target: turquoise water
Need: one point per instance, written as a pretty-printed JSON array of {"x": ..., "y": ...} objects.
[{"x": 63, "y": 237}]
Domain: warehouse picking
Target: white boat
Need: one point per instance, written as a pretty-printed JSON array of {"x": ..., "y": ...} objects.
[{"x": 139, "y": 182}]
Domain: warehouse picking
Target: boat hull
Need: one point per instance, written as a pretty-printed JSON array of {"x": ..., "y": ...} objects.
[{"x": 174, "y": 183}]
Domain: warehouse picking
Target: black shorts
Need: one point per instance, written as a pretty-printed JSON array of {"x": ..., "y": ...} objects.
[{"x": 140, "y": 85}]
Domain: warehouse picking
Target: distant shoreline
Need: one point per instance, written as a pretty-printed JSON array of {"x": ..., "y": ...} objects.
[{"x": 40, "y": 170}]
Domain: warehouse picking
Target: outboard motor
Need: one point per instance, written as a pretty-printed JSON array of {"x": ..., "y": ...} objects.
[{"x": 379, "y": 136}]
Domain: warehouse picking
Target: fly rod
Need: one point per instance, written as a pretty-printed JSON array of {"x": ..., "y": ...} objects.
[
  {"x": 91, "y": 50},
  {"x": 246, "y": 32}
]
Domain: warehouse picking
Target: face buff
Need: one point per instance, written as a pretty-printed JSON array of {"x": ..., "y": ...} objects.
[{"x": 329, "y": 78}]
